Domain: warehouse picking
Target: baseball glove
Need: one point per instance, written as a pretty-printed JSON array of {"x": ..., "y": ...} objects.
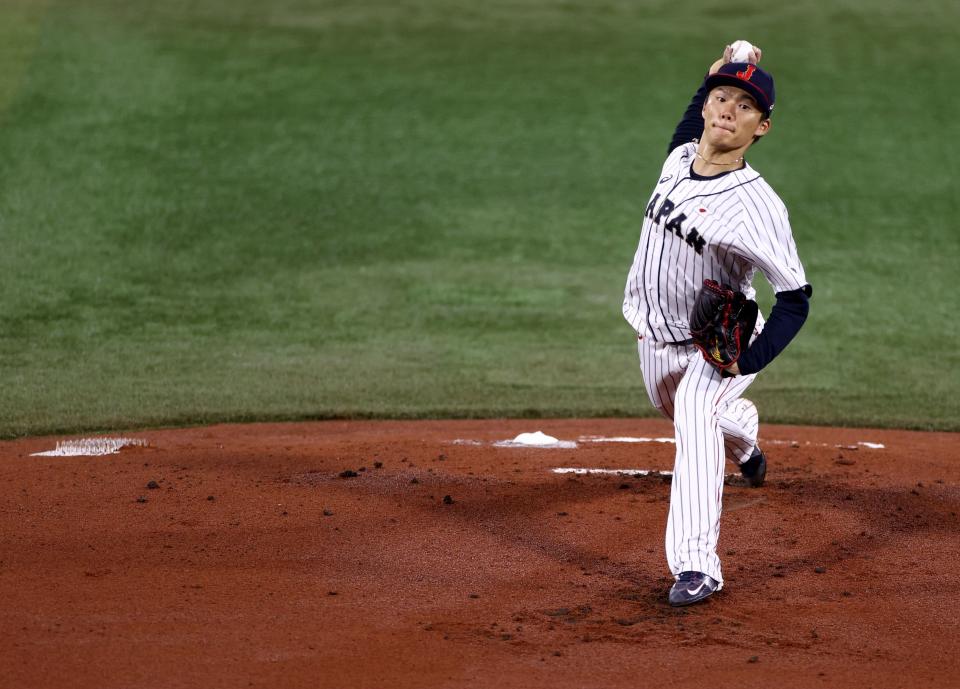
[{"x": 721, "y": 323}]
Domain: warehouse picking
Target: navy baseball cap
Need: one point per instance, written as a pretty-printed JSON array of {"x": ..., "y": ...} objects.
[{"x": 755, "y": 81}]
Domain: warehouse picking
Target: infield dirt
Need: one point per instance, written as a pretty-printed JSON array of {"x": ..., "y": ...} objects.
[{"x": 385, "y": 554}]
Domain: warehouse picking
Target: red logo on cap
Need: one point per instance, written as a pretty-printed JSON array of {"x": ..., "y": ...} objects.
[{"x": 747, "y": 73}]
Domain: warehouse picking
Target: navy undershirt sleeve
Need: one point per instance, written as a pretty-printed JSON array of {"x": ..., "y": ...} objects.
[
  {"x": 786, "y": 319},
  {"x": 691, "y": 124}
]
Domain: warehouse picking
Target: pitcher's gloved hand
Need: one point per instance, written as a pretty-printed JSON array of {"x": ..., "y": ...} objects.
[{"x": 721, "y": 324}]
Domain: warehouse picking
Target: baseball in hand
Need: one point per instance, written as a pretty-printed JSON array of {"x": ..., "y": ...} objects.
[{"x": 740, "y": 51}]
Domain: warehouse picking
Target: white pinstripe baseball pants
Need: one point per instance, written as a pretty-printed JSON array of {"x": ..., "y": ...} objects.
[{"x": 711, "y": 421}]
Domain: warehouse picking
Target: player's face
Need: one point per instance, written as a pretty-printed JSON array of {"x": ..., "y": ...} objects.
[{"x": 731, "y": 118}]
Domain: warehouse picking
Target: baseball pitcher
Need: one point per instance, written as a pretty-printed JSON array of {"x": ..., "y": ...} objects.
[{"x": 710, "y": 224}]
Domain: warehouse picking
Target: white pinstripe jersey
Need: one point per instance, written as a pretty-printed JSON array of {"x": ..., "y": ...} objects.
[{"x": 722, "y": 228}]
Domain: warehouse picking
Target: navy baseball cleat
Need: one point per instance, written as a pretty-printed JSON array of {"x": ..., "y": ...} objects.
[
  {"x": 692, "y": 587},
  {"x": 755, "y": 468}
]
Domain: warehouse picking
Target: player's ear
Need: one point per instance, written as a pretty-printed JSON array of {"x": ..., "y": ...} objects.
[{"x": 763, "y": 127}]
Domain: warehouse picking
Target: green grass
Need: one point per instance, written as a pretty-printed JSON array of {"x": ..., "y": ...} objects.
[{"x": 305, "y": 209}]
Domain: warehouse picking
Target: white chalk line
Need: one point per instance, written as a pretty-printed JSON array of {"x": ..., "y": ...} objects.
[
  {"x": 541, "y": 440},
  {"x": 623, "y": 439},
  {"x": 855, "y": 446},
  {"x": 620, "y": 472},
  {"x": 626, "y": 473}
]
